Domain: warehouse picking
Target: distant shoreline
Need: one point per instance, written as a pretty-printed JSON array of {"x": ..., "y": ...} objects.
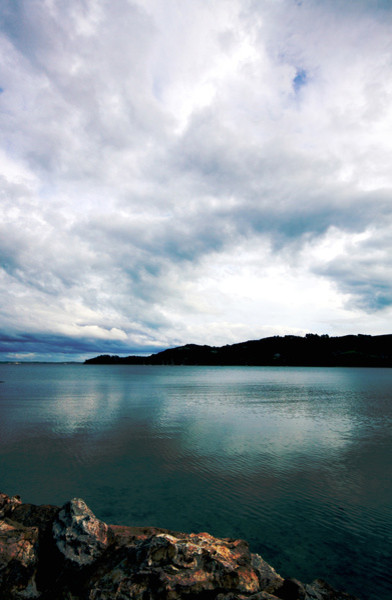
[{"x": 292, "y": 351}]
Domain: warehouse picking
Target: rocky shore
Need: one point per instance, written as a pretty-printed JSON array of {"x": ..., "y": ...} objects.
[{"x": 53, "y": 553}]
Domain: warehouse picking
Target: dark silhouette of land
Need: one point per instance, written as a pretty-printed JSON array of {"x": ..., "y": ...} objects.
[{"x": 311, "y": 351}]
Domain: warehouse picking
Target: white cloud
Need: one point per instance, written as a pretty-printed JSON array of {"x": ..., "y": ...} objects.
[{"x": 175, "y": 172}]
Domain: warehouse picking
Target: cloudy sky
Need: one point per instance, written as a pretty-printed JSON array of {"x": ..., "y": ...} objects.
[{"x": 192, "y": 171}]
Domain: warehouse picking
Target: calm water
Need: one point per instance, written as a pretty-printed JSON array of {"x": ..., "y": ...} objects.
[{"x": 295, "y": 460}]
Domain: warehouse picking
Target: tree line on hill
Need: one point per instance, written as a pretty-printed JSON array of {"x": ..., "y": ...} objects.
[{"x": 290, "y": 350}]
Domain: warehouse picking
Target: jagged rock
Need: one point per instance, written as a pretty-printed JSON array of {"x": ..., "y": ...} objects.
[
  {"x": 48, "y": 553},
  {"x": 79, "y": 535},
  {"x": 269, "y": 579},
  {"x": 178, "y": 567},
  {"x": 18, "y": 561},
  {"x": 8, "y": 504}
]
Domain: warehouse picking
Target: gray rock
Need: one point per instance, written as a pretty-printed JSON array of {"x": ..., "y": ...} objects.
[
  {"x": 79, "y": 535},
  {"x": 269, "y": 579}
]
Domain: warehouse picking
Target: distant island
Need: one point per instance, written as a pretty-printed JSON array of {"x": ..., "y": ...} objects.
[{"x": 312, "y": 350}]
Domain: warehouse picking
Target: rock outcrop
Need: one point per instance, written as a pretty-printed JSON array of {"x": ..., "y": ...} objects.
[{"x": 52, "y": 553}]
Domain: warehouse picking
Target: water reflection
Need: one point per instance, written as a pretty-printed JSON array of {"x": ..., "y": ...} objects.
[{"x": 228, "y": 429}]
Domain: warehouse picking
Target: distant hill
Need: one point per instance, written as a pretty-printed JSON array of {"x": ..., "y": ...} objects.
[{"x": 290, "y": 350}]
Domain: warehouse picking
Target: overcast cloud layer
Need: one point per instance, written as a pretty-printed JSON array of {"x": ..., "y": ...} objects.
[{"x": 192, "y": 171}]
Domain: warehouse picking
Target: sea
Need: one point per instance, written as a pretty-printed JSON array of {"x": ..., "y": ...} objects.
[{"x": 297, "y": 461}]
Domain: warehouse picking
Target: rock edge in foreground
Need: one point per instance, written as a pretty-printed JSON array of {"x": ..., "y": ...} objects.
[{"x": 53, "y": 553}]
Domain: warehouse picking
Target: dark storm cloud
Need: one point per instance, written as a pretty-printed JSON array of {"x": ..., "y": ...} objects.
[{"x": 48, "y": 344}]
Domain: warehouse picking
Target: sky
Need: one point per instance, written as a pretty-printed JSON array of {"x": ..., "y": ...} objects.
[{"x": 192, "y": 171}]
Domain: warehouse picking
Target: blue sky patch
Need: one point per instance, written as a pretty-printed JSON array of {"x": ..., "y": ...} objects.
[{"x": 300, "y": 80}]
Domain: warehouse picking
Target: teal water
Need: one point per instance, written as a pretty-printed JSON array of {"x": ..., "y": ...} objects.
[{"x": 295, "y": 460}]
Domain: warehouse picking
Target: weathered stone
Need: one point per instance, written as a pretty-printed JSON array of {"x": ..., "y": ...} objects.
[
  {"x": 18, "y": 561},
  {"x": 321, "y": 590},
  {"x": 79, "y": 535},
  {"x": 269, "y": 579},
  {"x": 8, "y": 504},
  {"x": 48, "y": 553},
  {"x": 173, "y": 567}
]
